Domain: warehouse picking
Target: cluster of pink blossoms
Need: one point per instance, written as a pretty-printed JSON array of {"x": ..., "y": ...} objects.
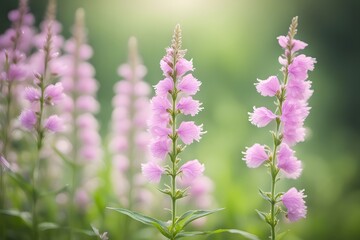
[
  {"x": 43, "y": 94},
  {"x": 292, "y": 109},
  {"x": 174, "y": 96}
]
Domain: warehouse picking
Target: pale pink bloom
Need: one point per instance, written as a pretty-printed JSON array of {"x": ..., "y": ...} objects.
[
  {"x": 164, "y": 87},
  {"x": 28, "y": 119},
  {"x": 293, "y": 134},
  {"x": 121, "y": 162},
  {"x": 187, "y": 105},
  {"x": 298, "y": 90},
  {"x": 294, "y": 202},
  {"x": 87, "y": 85},
  {"x": 160, "y": 104},
  {"x": 192, "y": 169},
  {"x": 152, "y": 171},
  {"x": 119, "y": 144},
  {"x": 85, "y": 70},
  {"x": 141, "y": 89},
  {"x": 123, "y": 87},
  {"x": 32, "y": 94},
  {"x": 296, "y": 44},
  {"x": 255, "y": 155},
  {"x": 17, "y": 72},
  {"x": 89, "y": 153},
  {"x": 287, "y": 162},
  {"x": 142, "y": 140},
  {"x": 82, "y": 198},
  {"x": 54, "y": 93},
  {"x": 160, "y": 148},
  {"x": 165, "y": 66},
  {"x": 121, "y": 100},
  {"x": 89, "y": 137},
  {"x": 86, "y": 121},
  {"x": 159, "y": 119},
  {"x": 87, "y": 103},
  {"x": 183, "y": 66},
  {"x": 269, "y": 87},
  {"x": 53, "y": 123},
  {"x": 261, "y": 116},
  {"x": 188, "y": 132},
  {"x": 300, "y": 66},
  {"x": 294, "y": 112},
  {"x": 160, "y": 131},
  {"x": 188, "y": 84}
]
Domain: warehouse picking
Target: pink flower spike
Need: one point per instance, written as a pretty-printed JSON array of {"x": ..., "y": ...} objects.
[
  {"x": 152, "y": 171},
  {"x": 288, "y": 163},
  {"x": 188, "y": 105},
  {"x": 165, "y": 67},
  {"x": 188, "y": 84},
  {"x": 32, "y": 94},
  {"x": 255, "y": 155},
  {"x": 54, "y": 93},
  {"x": 192, "y": 169},
  {"x": 53, "y": 124},
  {"x": 188, "y": 132},
  {"x": 160, "y": 131},
  {"x": 261, "y": 116},
  {"x": 28, "y": 119},
  {"x": 183, "y": 66},
  {"x": 160, "y": 104},
  {"x": 293, "y": 200},
  {"x": 164, "y": 87},
  {"x": 269, "y": 87},
  {"x": 160, "y": 148}
]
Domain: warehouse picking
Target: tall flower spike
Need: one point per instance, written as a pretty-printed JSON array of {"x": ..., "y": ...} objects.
[
  {"x": 292, "y": 94},
  {"x": 129, "y": 138}
]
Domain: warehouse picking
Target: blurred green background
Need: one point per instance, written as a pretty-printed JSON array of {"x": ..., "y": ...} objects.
[{"x": 233, "y": 42}]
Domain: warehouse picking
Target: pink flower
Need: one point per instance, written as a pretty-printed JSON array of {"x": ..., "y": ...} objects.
[
  {"x": 300, "y": 66},
  {"x": 164, "y": 87},
  {"x": 183, "y": 66},
  {"x": 53, "y": 123},
  {"x": 298, "y": 90},
  {"x": 54, "y": 93},
  {"x": 261, "y": 116},
  {"x": 160, "y": 131},
  {"x": 294, "y": 113},
  {"x": 188, "y": 105},
  {"x": 188, "y": 132},
  {"x": 188, "y": 84},
  {"x": 17, "y": 72},
  {"x": 255, "y": 155},
  {"x": 192, "y": 169},
  {"x": 152, "y": 171},
  {"x": 87, "y": 103},
  {"x": 293, "y": 200},
  {"x": 160, "y": 104},
  {"x": 123, "y": 87},
  {"x": 288, "y": 163},
  {"x": 269, "y": 87},
  {"x": 28, "y": 119},
  {"x": 293, "y": 134},
  {"x": 166, "y": 66},
  {"x": 296, "y": 44},
  {"x": 32, "y": 94},
  {"x": 160, "y": 148}
]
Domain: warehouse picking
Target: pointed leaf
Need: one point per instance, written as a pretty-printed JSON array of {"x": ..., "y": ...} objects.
[
  {"x": 282, "y": 235},
  {"x": 55, "y": 192},
  {"x": 233, "y": 231},
  {"x": 48, "y": 226},
  {"x": 265, "y": 195},
  {"x": 65, "y": 158},
  {"x": 21, "y": 181},
  {"x": 24, "y": 216},
  {"x": 192, "y": 215},
  {"x": 160, "y": 225}
]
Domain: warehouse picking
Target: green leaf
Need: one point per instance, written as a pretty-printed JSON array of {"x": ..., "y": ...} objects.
[
  {"x": 233, "y": 231},
  {"x": 65, "y": 158},
  {"x": 24, "y": 216},
  {"x": 262, "y": 215},
  {"x": 21, "y": 181},
  {"x": 192, "y": 215},
  {"x": 265, "y": 195},
  {"x": 282, "y": 235},
  {"x": 47, "y": 226},
  {"x": 160, "y": 225}
]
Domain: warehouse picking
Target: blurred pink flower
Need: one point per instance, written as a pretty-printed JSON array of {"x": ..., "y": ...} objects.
[
  {"x": 53, "y": 124},
  {"x": 53, "y": 93},
  {"x": 160, "y": 104},
  {"x": 192, "y": 169},
  {"x": 187, "y": 105},
  {"x": 188, "y": 84},
  {"x": 261, "y": 116},
  {"x": 152, "y": 171},
  {"x": 293, "y": 200},
  {"x": 255, "y": 155},
  {"x": 160, "y": 148},
  {"x": 269, "y": 87},
  {"x": 188, "y": 132},
  {"x": 296, "y": 44},
  {"x": 287, "y": 162},
  {"x": 28, "y": 119}
]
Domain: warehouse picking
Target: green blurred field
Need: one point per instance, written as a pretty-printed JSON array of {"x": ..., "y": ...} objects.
[{"x": 233, "y": 42}]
